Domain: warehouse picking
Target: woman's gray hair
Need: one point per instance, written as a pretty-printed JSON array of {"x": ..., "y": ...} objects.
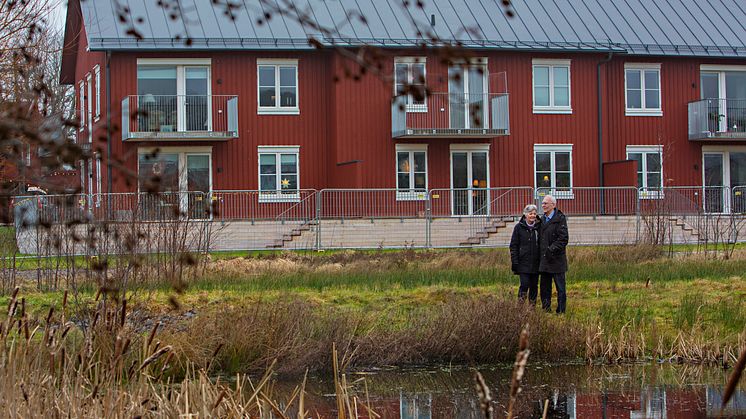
[{"x": 529, "y": 208}]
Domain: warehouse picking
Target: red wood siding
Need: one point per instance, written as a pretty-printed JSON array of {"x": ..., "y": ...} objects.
[{"x": 344, "y": 119}]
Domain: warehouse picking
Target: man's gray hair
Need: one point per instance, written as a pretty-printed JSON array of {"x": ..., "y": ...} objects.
[
  {"x": 529, "y": 208},
  {"x": 551, "y": 198}
]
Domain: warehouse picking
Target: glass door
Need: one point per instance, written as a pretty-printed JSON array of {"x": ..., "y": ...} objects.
[
  {"x": 714, "y": 199},
  {"x": 469, "y": 182},
  {"x": 737, "y": 179},
  {"x": 198, "y": 186},
  {"x": 197, "y": 100},
  {"x": 710, "y": 90},
  {"x": 467, "y": 97}
]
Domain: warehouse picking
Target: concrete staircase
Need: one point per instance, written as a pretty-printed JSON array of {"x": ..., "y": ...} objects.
[{"x": 494, "y": 225}]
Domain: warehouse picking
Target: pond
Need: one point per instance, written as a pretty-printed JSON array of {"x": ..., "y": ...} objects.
[{"x": 572, "y": 391}]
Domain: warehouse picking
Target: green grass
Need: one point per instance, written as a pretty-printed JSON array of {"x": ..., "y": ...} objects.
[{"x": 7, "y": 240}]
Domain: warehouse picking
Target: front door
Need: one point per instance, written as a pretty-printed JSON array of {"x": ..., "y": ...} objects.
[
  {"x": 714, "y": 198},
  {"x": 724, "y": 171},
  {"x": 470, "y": 182},
  {"x": 198, "y": 185}
]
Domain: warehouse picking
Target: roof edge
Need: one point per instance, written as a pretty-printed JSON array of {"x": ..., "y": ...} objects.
[{"x": 73, "y": 31}]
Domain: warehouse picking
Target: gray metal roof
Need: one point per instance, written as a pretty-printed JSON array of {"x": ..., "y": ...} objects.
[{"x": 640, "y": 27}]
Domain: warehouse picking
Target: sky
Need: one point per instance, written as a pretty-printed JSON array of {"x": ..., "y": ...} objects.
[{"x": 58, "y": 14}]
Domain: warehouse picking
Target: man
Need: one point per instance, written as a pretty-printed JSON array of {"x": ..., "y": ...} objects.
[{"x": 553, "y": 238}]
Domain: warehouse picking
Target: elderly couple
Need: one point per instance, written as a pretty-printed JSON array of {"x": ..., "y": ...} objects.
[{"x": 537, "y": 250}]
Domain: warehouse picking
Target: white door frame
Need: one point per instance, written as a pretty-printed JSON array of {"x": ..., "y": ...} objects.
[
  {"x": 469, "y": 149},
  {"x": 481, "y": 62}
]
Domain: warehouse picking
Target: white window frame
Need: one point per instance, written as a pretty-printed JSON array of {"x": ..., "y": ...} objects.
[
  {"x": 410, "y": 194},
  {"x": 97, "y": 79},
  {"x": 277, "y": 195},
  {"x": 82, "y": 105},
  {"x": 181, "y": 65},
  {"x": 644, "y": 191},
  {"x": 27, "y": 157},
  {"x": 644, "y": 110},
  {"x": 89, "y": 115},
  {"x": 553, "y": 149},
  {"x": 182, "y": 153},
  {"x": 277, "y": 109},
  {"x": 412, "y": 107},
  {"x": 552, "y": 108}
]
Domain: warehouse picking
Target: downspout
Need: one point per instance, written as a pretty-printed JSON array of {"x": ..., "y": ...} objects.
[
  {"x": 108, "y": 132},
  {"x": 600, "y": 130}
]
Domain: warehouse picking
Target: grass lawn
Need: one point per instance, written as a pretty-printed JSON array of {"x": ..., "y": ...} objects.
[{"x": 607, "y": 286}]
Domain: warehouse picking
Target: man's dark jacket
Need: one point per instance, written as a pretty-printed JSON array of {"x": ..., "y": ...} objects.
[
  {"x": 524, "y": 247},
  {"x": 553, "y": 238}
]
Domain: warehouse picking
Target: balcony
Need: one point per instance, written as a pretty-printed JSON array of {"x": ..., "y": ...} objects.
[
  {"x": 451, "y": 115},
  {"x": 717, "y": 119},
  {"x": 183, "y": 117}
]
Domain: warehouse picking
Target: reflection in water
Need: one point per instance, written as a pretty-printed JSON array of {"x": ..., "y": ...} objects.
[{"x": 633, "y": 392}]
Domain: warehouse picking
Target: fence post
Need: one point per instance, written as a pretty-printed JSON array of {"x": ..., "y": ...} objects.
[
  {"x": 428, "y": 219},
  {"x": 637, "y": 215},
  {"x": 318, "y": 219}
]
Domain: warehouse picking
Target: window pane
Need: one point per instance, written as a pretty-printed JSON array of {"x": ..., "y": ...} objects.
[
  {"x": 289, "y": 182},
  {"x": 543, "y": 180},
  {"x": 737, "y": 169},
  {"x": 156, "y": 80},
  {"x": 402, "y": 159},
  {"x": 541, "y": 96},
  {"x": 418, "y": 73},
  {"x": 651, "y": 99},
  {"x": 561, "y": 76},
  {"x": 541, "y": 76},
  {"x": 399, "y": 89},
  {"x": 159, "y": 173},
  {"x": 654, "y": 180},
  {"x": 400, "y": 73},
  {"x": 633, "y": 79},
  {"x": 287, "y": 76},
  {"x": 419, "y": 162},
  {"x": 268, "y": 182},
  {"x": 651, "y": 79},
  {"x": 267, "y": 164},
  {"x": 639, "y": 180},
  {"x": 561, "y": 96},
  {"x": 543, "y": 162},
  {"x": 402, "y": 181},
  {"x": 288, "y": 163},
  {"x": 266, "y": 75},
  {"x": 653, "y": 161},
  {"x": 634, "y": 99},
  {"x": 287, "y": 97},
  {"x": 562, "y": 162},
  {"x": 419, "y": 180},
  {"x": 563, "y": 180},
  {"x": 266, "y": 96},
  {"x": 636, "y": 157}
]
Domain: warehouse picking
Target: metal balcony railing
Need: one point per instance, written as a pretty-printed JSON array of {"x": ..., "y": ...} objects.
[
  {"x": 152, "y": 117},
  {"x": 475, "y": 115},
  {"x": 717, "y": 118}
]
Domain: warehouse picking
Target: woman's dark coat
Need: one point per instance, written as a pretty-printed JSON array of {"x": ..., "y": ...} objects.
[
  {"x": 553, "y": 238},
  {"x": 524, "y": 247}
]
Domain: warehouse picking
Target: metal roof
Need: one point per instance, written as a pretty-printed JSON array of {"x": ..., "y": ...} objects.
[{"x": 639, "y": 27}]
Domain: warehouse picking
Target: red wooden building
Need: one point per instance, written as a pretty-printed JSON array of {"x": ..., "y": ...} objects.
[{"x": 557, "y": 96}]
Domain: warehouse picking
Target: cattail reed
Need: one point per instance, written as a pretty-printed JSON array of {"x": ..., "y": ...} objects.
[
  {"x": 519, "y": 367},
  {"x": 485, "y": 399}
]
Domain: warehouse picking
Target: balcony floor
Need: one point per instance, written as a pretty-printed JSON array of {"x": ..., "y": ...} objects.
[
  {"x": 450, "y": 133},
  {"x": 715, "y": 136},
  {"x": 181, "y": 135}
]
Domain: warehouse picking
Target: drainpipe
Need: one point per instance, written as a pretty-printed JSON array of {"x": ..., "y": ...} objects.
[
  {"x": 600, "y": 130},
  {"x": 108, "y": 133}
]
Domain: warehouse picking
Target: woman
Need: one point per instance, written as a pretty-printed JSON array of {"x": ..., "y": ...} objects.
[{"x": 524, "y": 253}]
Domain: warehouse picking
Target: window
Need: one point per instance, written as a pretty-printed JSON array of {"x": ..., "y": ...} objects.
[
  {"x": 89, "y": 116},
  {"x": 82, "y": 105},
  {"x": 551, "y": 84},
  {"x": 553, "y": 168},
  {"x": 174, "y": 95},
  {"x": 277, "y": 86},
  {"x": 409, "y": 80},
  {"x": 649, "y": 168},
  {"x": 97, "y": 73},
  {"x": 411, "y": 171},
  {"x": 278, "y": 174},
  {"x": 643, "y": 89}
]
